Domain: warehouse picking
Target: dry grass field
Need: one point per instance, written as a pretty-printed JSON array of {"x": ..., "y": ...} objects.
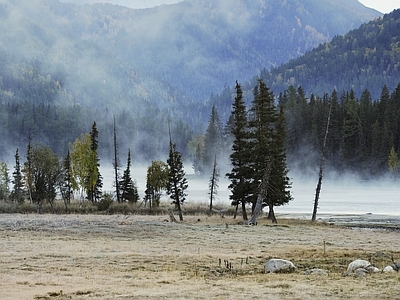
[{"x": 145, "y": 257}]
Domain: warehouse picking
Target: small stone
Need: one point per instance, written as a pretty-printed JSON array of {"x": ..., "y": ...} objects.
[
  {"x": 388, "y": 269},
  {"x": 373, "y": 269},
  {"x": 315, "y": 271}
]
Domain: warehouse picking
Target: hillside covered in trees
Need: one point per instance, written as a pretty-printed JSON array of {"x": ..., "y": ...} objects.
[
  {"x": 64, "y": 66},
  {"x": 364, "y": 58}
]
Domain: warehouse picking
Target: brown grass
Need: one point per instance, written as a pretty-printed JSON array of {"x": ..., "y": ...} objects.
[{"x": 145, "y": 257}]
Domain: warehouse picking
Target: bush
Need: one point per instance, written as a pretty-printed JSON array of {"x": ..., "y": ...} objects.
[{"x": 105, "y": 202}]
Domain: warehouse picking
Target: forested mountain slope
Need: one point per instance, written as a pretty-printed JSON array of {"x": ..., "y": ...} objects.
[
  {"x": 172, "y": 53},
  {"x": 64, "y": 66},
  {"x": 364, "y": 58}
]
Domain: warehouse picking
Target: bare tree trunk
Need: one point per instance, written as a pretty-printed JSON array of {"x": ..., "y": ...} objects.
[
  {"x": 271, "y": 213},
  {"x": 213, "y": 183},
  {"x": 116, "y": 164},
  {"x": 236, "y": 210},
  {"x": 261, "y": 195},
  {"x": 178, "y": 205},
  {"x": 321, "y": 168},
  {"x": 244, "y": 213}
]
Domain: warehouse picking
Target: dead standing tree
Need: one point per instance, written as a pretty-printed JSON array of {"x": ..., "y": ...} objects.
[
  {"x": 213, "y": 185},
  {"x": 321, "y": 168}
]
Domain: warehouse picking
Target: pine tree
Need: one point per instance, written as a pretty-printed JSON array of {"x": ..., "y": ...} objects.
[
  {"x": 17, "y": 193},
  {"x": 94, "y": 192},
  {"x": 262, "y": 124},
  {"x": 128, "y": 188},
  {"x": 177, "y": 183},
  {"x": 241, "y": 172},
  {"x": 268, "y": 134},
  {"x": 66, "y": 181},
  {"x": 278, "y": 192}
]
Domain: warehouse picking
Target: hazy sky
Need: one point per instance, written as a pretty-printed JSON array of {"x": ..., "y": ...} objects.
[{"x": 384, "y": 6}]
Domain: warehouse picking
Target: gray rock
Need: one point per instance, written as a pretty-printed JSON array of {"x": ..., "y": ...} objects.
[
  {"x": 279, "y": 266},
  {"x": 373, "y": 269},
  {"x": 357, "y": 264},
  {"x": 360, "y": 272},
  {"x": 396, "y": 266}
]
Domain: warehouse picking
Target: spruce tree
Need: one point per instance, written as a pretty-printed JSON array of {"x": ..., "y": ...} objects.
[
  {"x": 278, "y": 192},
  {"x": 94, "y": 192},
  {"x": 128, "y": 188},
  {"x": 268, "y": 133},
  {"x": 17, "y": 193},
  {"x": 263, "y": 118},
  {"x": 177, "y": 183},
  {"x": 241, "y": 172},
  {"x": 66, "y": 181}
]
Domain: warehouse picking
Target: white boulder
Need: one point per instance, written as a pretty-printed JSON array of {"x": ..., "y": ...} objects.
[
  {"x": 279, "y": 266},
  {"x": 358, "y": 264}
]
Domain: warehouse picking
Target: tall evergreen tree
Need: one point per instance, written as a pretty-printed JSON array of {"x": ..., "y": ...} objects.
[
  {"x": 263, "y": 118},
  {"x": 65, "y": 182},
  {"x": 94, "y": 192},
  {"x": 128, "y": 188},
  {"x": 268, "y": 134},
  {"x": 241, "y": 172},
  {"x": 177, "y": 183},
  {"x": 278, "y": 192},
  {"x": 351, "y": 132},
  {"x": 17, "y": 193}
]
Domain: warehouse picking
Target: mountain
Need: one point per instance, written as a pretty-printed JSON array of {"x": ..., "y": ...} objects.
[
  {"x": 145, "y": 65},
  {"x": 170, "y": 53},
  {"x": 364, "y": 58}
]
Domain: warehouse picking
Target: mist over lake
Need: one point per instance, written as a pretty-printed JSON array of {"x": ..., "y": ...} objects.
[{"x": 339, "y": 196}]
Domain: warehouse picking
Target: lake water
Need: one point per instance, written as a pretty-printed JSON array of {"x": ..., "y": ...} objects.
[{"x": 339, "y": 196}]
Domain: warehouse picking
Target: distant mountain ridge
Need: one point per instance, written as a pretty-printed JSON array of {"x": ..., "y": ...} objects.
[
  {"x": 63, "y": 66},
  {"x": 171, "y": 54}
]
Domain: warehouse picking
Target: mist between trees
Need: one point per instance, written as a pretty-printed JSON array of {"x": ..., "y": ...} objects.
[{"x": 363, "y": 138}]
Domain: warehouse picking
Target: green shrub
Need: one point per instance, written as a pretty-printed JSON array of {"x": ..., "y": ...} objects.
[{"x": 105, "y": 202}]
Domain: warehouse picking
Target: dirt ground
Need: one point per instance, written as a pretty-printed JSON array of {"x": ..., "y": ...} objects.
[{"x": 146, "y": 257}]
